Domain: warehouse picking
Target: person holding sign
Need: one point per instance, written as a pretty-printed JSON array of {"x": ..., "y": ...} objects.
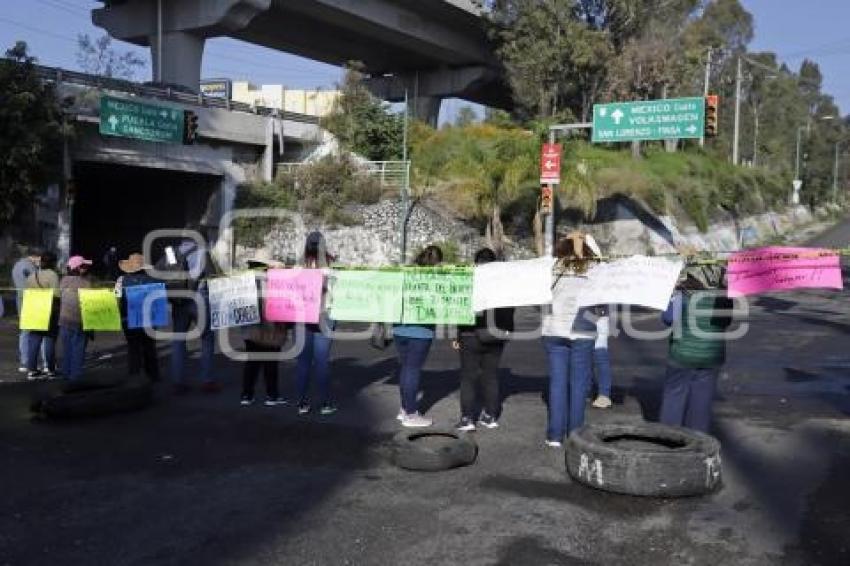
[
  {"x": 413, "y": 342},
  {"x": 569, "y": 332},
  {"x": 71, "y": 334},
  {"x": 132, "y": 288},
  {"x": 699, "y": 313},
  {"x": 22, "y": 269},
  {"x": 44, "y": 340},
  {"x": 481, "y": 346},
  {"x": 316, "y": 352}
]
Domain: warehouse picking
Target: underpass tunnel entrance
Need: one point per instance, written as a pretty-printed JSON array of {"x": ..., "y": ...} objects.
[{"x": 118, "y": 205}]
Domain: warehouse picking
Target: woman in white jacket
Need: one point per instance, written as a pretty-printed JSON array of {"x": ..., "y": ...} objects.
[{"x": 569, "y": 332}]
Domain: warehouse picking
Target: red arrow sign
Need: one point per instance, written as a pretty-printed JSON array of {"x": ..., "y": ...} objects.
[{"x": 550, "y": 164}]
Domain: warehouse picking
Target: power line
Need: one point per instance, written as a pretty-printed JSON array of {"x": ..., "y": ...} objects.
[
  {"x": 37, "y": 30},
  {"x": 63, "y": 7}
]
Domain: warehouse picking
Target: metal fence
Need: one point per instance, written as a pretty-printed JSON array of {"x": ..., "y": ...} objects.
[{"x": 393, "y": 175}]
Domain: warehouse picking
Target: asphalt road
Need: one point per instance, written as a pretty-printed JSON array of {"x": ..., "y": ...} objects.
[{"x": 201, "y": 480}]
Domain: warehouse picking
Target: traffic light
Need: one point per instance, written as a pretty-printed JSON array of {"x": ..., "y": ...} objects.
[
  {"x": 546, "y": 200},
  {"x": 712, "y": 102},
  {"x": 190, "y": 127}
]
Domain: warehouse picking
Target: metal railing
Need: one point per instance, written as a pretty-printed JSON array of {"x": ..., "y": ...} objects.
[
  {"x": 389, "y": 174},
  {"x": 57, "y": 76}
]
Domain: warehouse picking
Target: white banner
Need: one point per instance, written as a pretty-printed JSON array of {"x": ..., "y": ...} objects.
[
  {"x": 512, "y": 283},
  {"x": 637, "y": 280},
  {"x": 233, "y": 301}
]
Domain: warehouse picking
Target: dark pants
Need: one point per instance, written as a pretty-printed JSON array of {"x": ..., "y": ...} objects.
[
  {"x": 141, "y": 353},
  {"x": 688, "y": 394},
  {"x": 74, "y": 342},
  {"x": 314, "y": 356},
  {"x": 45, "y": 342},
  {"x": 569, "y": 380},
  {"x": 184, "y": 314},
  {"x": 412, "y": 353},
  {"x": 252, "y": 368},
  {"x": 479, "y": 370},
  {"x": 602, "y": 370}
]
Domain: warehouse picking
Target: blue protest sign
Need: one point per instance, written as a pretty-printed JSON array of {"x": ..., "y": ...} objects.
[{"x": 151, "y": 298}]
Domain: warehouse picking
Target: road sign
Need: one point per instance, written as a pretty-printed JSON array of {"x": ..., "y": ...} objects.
[
  {"x": 550, "y": 164},
  {"x": 649, "y": 120},
  {"x": 148, "y": 122}
]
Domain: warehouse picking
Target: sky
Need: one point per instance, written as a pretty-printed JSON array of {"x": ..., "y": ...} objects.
[{"x": 794, "y": 29}]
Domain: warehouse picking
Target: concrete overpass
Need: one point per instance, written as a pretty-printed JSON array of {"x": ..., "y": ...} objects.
[{"x": 432, "y": 49}]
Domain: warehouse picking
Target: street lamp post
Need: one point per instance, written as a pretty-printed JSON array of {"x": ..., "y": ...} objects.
[{"x": 835, "y": 172}]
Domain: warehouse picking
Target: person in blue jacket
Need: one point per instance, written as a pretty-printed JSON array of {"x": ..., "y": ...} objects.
[{"x": 413, "y": 341}]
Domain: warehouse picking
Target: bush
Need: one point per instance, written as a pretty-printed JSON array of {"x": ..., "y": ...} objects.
[{"x": 253, "y": 231}]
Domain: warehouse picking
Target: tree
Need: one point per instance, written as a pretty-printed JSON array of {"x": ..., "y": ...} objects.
[
  {"x": 31, "y": 122},
  {"x": 98, "y": 57},
  {"x": 362, "y": 123},
  {"x": 465, "y": 116}
]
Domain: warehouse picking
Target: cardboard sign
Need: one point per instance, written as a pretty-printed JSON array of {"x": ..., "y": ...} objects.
[
  {"x": 512, "y": 283},
  {"x": 99, "y": 308},
  {"x": 147, "y": 305},
  {"x": 783, "y": 269},
  {"x": 438, "y": 296},
  {"x": 234, "y": 301},
  {"x": 294, "y": 295},
  {"x": 637, "y": 280},
  {"x": 366, "y": 296},
  {"x": 36, "y": 308}
]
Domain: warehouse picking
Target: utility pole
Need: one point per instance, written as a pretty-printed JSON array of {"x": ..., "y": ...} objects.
[
  {"x": 835, "y": 174},
  {"x": 755, "y": 135},
  {"x": 736, "y": 140},
  {"x": 706, "y": 87},
  {"x": 405, "y": 188},
  {"x": 158, "y": 77}
]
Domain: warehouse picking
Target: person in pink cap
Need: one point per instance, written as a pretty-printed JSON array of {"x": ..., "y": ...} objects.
[{"x": 71, "y": 335}]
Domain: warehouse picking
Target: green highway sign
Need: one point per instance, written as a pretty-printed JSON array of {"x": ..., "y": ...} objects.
[
  {"x": 649, "y": 120},
  {"x": 148, "y": 122}
]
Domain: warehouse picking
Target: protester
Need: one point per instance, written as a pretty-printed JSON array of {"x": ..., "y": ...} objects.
[
  {"x": 315, "y": 353},
  {"x": 602, "y": 360},
  {"x": 71, "y": 334},
  {"x": 21, "y": 271},
  {"x": 481, "y": 346},
  {"x": 413, "y": 341},
  {"x": 700, "y": 313},
  {"x": 141, "y": 347},
  {"x": 44, "y": 341},
  {"x": 569, "y": 332},
  {"x": 189, "y": 298},
  {"x": 110, "y": 264},
  {"x": 263, "y": 342}
]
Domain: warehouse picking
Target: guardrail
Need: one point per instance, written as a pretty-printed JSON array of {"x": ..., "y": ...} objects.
[
  {"x": 57, "y": 76},
  {"x": 389, "y": 174}
]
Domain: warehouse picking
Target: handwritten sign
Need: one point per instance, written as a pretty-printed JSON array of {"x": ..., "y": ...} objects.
[
  {"x": 367, "y": 296},
  {"x": 782, "y": 269},
  {"x": 36, "y": 309},
  {"x": 438, "y": 296},
  {"x": 234, "y": 301},
  {"x": 147, "y": 305},
  {"x": 512, "y": 283},
  {"x": 294, "y": 295},
  {"x": 99, "y": 308},
  {"x": 637, "y": 280}
]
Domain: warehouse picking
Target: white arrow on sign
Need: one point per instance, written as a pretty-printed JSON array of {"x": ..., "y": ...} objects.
[
  {"x": 691, "y": 129},
  {"x": 113, "y": 121},
  {"x": 617, "y": 115},
  {"x": 549, "y": 164}
]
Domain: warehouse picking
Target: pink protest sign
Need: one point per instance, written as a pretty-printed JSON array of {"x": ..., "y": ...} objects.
[
  {"x": 781, "y": 269},
  {"x": 294, "y": 295}
]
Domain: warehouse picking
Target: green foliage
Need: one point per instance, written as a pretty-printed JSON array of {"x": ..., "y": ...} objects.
[
  {"x": 97, "y": 57},
  {"x": 31, "y": 126},
  {"x": 362, "y": 123}
]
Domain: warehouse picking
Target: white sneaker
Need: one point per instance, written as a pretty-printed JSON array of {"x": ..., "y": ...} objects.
[
  {"x": 400, "y": 416},
  {"x": 415, "y": 420},
  {"x": 554, "y": 444},
  {"x": 23, "y": 369},
  {"x": 602, "y": 402}
]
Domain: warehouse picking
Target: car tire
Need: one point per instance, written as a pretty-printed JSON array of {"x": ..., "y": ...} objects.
[
  {"x": 74, "y": 400},
  {"x": 646, "y": 459},
  {"x": 413, "y": 451}
]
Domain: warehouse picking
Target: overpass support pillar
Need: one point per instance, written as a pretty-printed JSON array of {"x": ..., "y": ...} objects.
[
  {"x": 182, "y": 56},
  {"x": 425, "y": 108}
]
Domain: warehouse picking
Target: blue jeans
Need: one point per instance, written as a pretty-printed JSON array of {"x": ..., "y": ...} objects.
[
  {"x": 602, "y": 369},
  {"x": 183, "y": 314},
  {"x": 569, "y": 380},
  {"x": 316, "y": 355},
  {"x": 45, "y": 343},
  {"x": 412, "y": 353},
  {"x": 74, "y": 342},
  {"x": 687, "y": 398}
]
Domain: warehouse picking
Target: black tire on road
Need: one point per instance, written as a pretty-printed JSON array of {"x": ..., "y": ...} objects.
[
  {"x": 71, "y": 400},
  {"x": 646, "y": 459},
  {"x": 433, "y": 450}
]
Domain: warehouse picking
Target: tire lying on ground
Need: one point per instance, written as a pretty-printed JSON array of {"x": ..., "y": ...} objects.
[
  {"x": 92, "y": 399},
  {"x": 646, "y": 459},
  {"x": 433, "y": 450}
]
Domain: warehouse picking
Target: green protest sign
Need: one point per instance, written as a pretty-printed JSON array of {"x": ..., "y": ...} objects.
[
  {"x": 366, "y": 296},
  {"x": 438, "y": 296},
  {"x": 99, "y": 308}
]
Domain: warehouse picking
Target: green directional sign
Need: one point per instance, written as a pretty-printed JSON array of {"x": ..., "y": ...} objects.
[
  {"x": 649, "y": 120},
  {"x": 148, "y": 122}
]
